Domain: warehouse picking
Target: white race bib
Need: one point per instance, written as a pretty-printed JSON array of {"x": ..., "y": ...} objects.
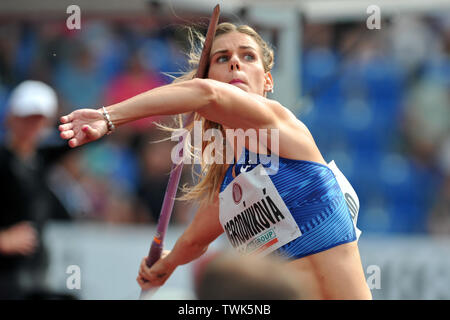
[
  {"x": 254, "y": 216},
  {"x": 350, "y": 196}
]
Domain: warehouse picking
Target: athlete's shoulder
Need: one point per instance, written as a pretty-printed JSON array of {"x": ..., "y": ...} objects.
[{"x": 295, "y": 140}]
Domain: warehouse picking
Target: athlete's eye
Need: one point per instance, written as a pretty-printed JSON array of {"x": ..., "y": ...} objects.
[
  {"x": 222, "y": 59},
  {"x": 249, "y": 56}
]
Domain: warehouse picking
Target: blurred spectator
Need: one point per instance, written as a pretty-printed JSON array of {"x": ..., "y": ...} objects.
[
  {"x": 439, "y": 222},
  {"x": 426, "y": 127},
  {"x": 427, "y": 119},
  {"x": 411, "y": 41},
  {"x": 427, "y": 107},
  {"x": 68, "y": 183},
  {"x": 78, "y": 79},
  {"x": 9, "y": 46},
  {"x": 134, "y": 80},
  {"x": 98, "y": 183},
  {"x": 27, "y": 202},
  {"x": 439, "y": 219},
  {"x": 154, "y": 171}
]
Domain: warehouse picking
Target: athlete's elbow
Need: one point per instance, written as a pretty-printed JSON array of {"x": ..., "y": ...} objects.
[
  {"x": 194, "y": 246},
  {"x": 206, "y": 91}
]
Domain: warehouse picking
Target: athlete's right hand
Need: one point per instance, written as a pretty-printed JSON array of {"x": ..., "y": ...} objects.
[
  {"x": 157, "y": 275},
  {"x": 82, "y": 126}
]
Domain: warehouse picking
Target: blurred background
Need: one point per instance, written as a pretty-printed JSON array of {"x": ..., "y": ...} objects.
[{"x": 377, "y": 101}]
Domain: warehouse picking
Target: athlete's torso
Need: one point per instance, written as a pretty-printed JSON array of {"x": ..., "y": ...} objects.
[{"x": 297, "y": 211}]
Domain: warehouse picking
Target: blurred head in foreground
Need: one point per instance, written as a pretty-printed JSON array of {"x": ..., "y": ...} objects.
[{"x": 229, "y": 276}]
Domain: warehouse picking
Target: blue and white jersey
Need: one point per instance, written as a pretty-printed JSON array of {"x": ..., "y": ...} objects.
[{"x": 304, "y": 208}]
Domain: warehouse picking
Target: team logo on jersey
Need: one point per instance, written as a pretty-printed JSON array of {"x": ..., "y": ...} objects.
[
  {"x": 245, "y": 168},
  {"x": 237, "y": 193}
]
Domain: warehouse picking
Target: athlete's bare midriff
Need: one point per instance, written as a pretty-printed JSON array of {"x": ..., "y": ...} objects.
[{"x": 334, "y": 274}]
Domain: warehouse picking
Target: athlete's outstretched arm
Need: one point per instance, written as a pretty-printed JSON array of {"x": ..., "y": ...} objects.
[
  {"x": 204, "y": 228},
  {"x": 215, "y": 100}
]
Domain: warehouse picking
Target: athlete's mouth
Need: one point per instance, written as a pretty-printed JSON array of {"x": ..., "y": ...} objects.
[{"x": 236, "y": 81}]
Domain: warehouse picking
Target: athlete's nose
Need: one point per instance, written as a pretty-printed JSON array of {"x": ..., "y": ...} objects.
[{"x": 235, "y": 66}]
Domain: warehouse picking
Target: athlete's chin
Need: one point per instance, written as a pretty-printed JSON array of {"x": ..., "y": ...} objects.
[{"x": 241, "y": 86}]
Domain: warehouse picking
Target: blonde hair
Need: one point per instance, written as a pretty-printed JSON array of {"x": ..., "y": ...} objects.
[{"x": 211, "y": 175}]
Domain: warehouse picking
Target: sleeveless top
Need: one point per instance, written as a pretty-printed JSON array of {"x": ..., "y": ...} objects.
[{"x": 292, "y": 208}]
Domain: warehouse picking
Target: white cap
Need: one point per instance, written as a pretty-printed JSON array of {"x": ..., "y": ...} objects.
[{"x": 33, "y": 98}]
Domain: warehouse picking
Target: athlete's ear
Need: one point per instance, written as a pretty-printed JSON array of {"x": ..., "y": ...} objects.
[{"x": 268, "y": 82}]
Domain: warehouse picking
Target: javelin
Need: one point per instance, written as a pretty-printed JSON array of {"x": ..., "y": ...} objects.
[{"x": 175, "y": 173}]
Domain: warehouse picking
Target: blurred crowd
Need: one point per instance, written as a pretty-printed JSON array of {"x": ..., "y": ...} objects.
[
  {"x": 122, "y": 178},
  {"x": 376, "y": 101}
]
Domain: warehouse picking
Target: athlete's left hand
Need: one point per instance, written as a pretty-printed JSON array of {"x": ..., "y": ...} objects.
[
  {"x": 83, "y": 126},
  {"x": 157, "y": 275}
]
